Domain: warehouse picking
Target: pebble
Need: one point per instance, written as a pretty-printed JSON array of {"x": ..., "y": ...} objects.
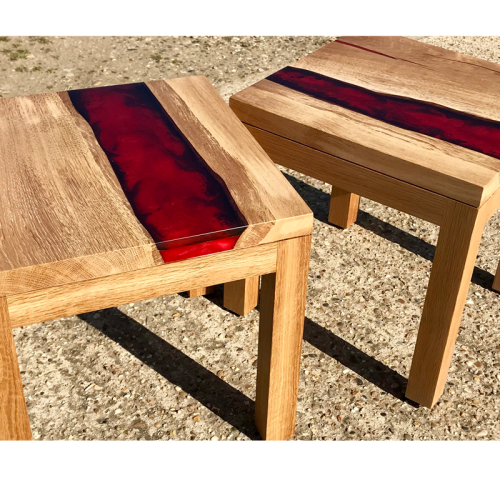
[{"x": 482, "y": 433}]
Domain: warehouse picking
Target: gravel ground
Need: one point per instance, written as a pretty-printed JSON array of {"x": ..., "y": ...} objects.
[{"x": 179, "y": 368}]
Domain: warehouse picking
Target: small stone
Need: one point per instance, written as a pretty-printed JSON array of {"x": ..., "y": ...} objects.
[
  {"x": 482, "y": 434},
  {"x": 140, "y": 424},
  {"x": 406, "y": 437},
  {"x": 339, "y": 418},
  {"x": 158, "y": 424},
  {"x": 178, "y": 389},
  {"x": 479, "y": 364},
  {"x": 176, "y": 315},
  {"x": 214, "y": 438},
  {"x": 196, "y": 419},
  {"x": 220, "y": 373}
]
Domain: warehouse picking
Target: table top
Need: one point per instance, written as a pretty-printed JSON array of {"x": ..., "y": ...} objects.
[
  {"x": 423, "y": 114},
  {"x": 106, "y": 180}
]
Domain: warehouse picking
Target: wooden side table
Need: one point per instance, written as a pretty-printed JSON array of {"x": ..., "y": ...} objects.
[
  {"x": 118, "y": 194},
  {"x": 406, "y": 124}
]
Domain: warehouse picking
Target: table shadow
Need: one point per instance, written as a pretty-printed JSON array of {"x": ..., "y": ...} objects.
[
  {"x": 319, "y": 202},
  {"x": 362, "y": 364},
  {"x": 179, "y": 369},
  {"x": 217, "y": 395}
]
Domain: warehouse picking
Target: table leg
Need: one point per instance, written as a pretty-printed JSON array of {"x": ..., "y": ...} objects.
[
  {"x": 282, "y": 308},
  {"x": 14, "y": 421},
  {"x": 204, "y": 290},
  {"x": 242, "y": 296},
  {"x": 496, "y": 281},
  {"x": 454, "y": 260},
  {"x": 343, "y": 208}
]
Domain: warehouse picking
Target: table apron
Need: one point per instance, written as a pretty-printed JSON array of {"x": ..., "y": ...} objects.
[
  {"x": 111, "y": 291},
  {"x": 352, "y": 177}
]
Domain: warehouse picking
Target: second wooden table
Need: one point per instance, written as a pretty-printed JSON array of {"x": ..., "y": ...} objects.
[{"x": 406, "y": 124}]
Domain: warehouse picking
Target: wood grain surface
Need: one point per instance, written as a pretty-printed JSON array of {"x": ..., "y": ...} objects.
[
  {"x": 452, "y": 267},
  {"x": 283, "y": 301},
  {"x": 352, "y": 177},
  {"x": 14, "y": 421},
  {"x": 417, "y": 71},
  {"x": 64, "y": 216},
  {"x": 260, "y": 193},
  {"x": 430, "y": 117},
  {"x": 242, "y": 296},
  {"x": 343, "y": 208},
  {"x": 111, "y": 291},
  {"x": 59, "y": 207},
  {"x": 423, "y": 161}
]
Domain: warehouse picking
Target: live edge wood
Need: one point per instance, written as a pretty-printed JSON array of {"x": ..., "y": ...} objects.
[
  {"x": 64, "y": 216},
  {"x": 14, "y": 421},
  {"x": 111, "y": 291},
  {"x": 283, "y": 300},
  {"x": 256, "y": 188},
  {"x": 423, "y": 161}
]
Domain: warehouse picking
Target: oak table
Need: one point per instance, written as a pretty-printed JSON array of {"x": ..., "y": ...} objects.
[
  {"x": 406, "y": 124},
  {"x": 118, "y": 194}
]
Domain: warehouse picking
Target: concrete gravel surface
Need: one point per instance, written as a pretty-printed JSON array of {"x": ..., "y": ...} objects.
[{"x": 184, "y": 369}]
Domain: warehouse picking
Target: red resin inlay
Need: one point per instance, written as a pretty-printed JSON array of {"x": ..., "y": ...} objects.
[
  {"x": 169, "y": 186},
  {"x": 459, "y": 128}
]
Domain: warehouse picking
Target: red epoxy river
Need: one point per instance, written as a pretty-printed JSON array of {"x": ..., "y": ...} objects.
[
  {"x": 458, "y": 128},
  {"x": 169, "y": 187}
]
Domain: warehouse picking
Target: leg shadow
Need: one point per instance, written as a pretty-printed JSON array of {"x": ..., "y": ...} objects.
[
  {"x": 208, "y": 389},
  {"x": 320, "y": 203},
  {"x": 351, "y": 357}
]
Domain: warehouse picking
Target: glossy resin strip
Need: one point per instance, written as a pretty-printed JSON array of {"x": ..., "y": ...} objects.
[
  {"x": 170, "y": 188},
  {"x": 425, "y": 118}
]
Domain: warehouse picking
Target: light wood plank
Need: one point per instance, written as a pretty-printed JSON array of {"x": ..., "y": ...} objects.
[
  {"x": 198, "y": 292},
  {"x": 111, "y": 291},
  {"x": 343, "y": 208},
  {"x": 14, "y": 421},
  {"x": 430, "y": 56},
  {"x": 352, "y": 178},
  {"x": 475, "y": 94},
  {"x": 423, "y": 161},
  {"x": 59, "y": 208},
  {"x": 283, "y": 299},
  {"x": 260, "y": 193},
  {"x": 242, "y": 296},
  {"x": 452, "y": 268}
]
